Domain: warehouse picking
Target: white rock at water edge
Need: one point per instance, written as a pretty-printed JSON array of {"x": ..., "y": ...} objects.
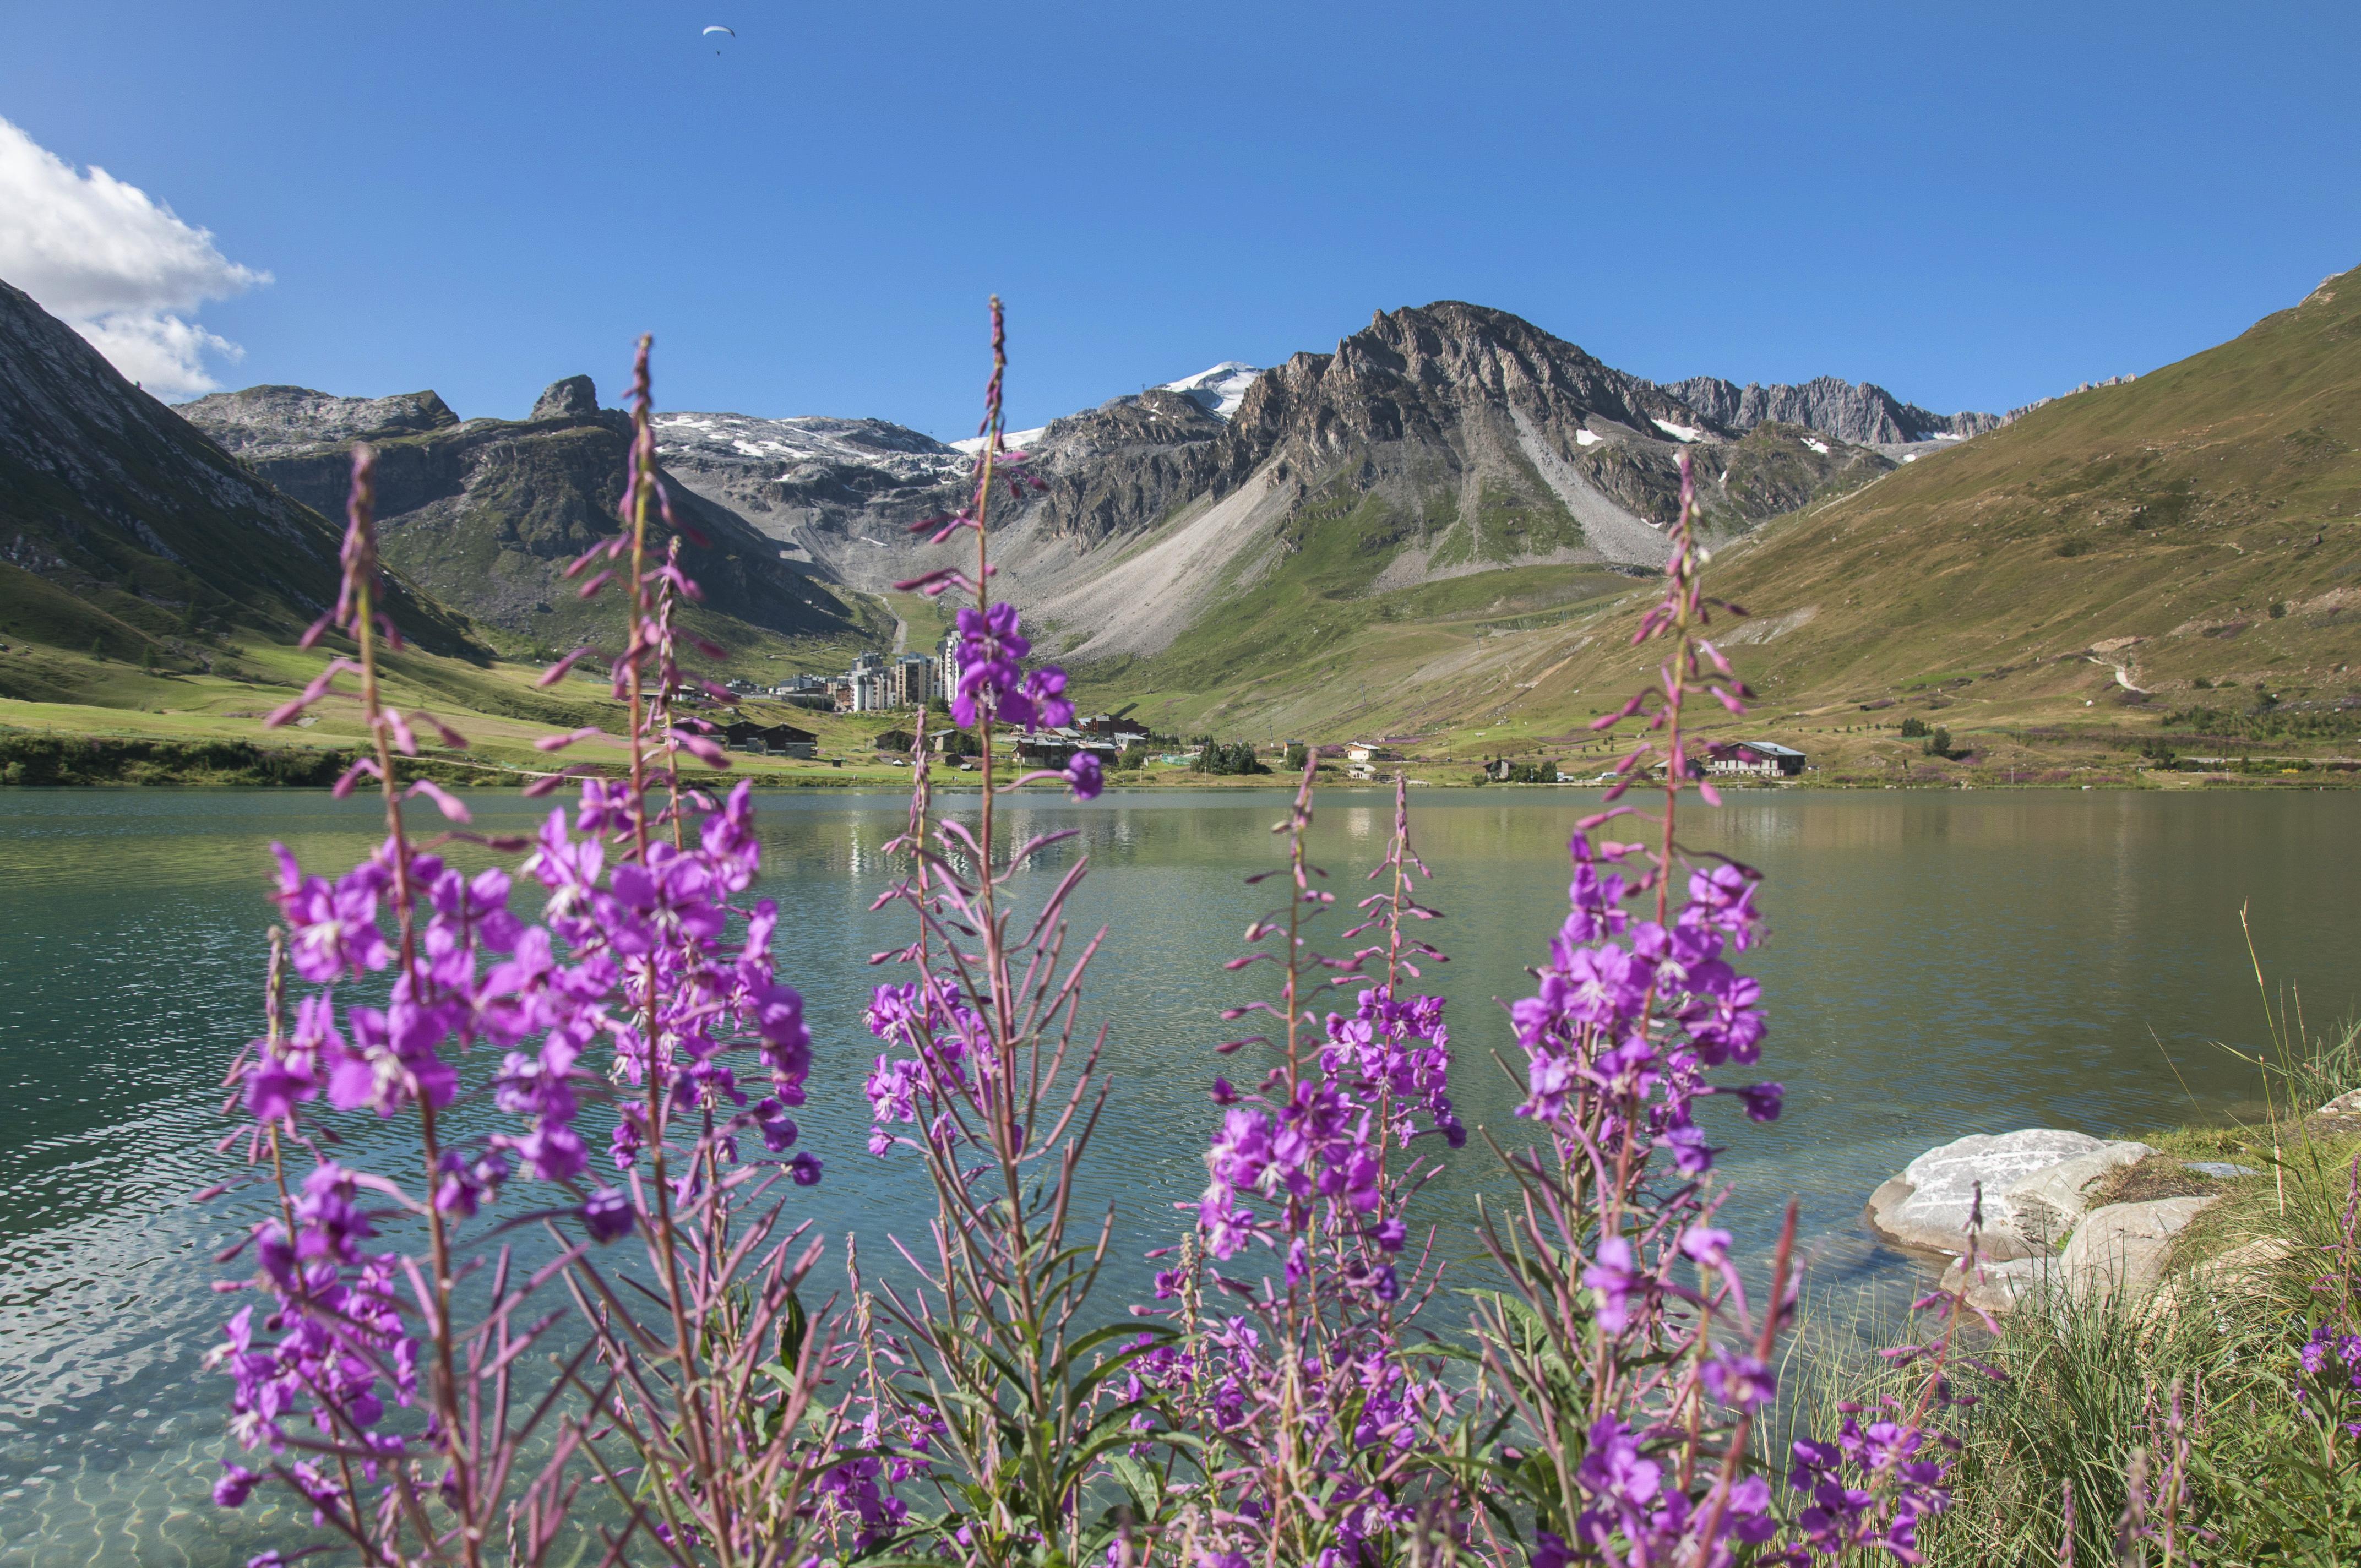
[
  {"x": 1927, "y": 1207},
  {"x": 2042, "y": 1207},
  {"x": 2122, "y": 1247}
]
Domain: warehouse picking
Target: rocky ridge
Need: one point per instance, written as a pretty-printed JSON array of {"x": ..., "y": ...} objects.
[
  {"x": 1866, "y": 414},
  {"x": 487, "y": 513},
  {"x": 262, "y": 422},
  {"x": 122, "y": 524}
]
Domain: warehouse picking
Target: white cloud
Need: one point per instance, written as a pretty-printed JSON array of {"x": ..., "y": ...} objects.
[{"x": 115, "y": 264}]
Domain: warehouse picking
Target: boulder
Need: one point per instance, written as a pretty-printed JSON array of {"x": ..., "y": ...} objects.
[
  {"x": 1998, "y": 1287},
  {"x": 1925, "y": 1208},
  {"x": 2346, "y": 1104},
  {"x": 2045, "y": 1205},
  {"x": 2247, "y": 1267},
  {"x": 2122, "y": 1246},
  {"x": 2218, "y": 1170}
]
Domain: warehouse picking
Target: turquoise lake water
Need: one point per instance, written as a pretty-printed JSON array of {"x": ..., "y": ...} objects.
[{"x": 1939, "y": 964}]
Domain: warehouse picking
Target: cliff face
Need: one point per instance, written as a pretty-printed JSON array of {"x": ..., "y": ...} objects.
[
  {"x": 487, "y": 513},
  {"x": 123, "y": 523}
]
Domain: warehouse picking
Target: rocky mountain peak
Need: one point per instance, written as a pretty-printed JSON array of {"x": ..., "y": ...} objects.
[
  {"x": 577, "y": 396},
  {"x": 261, "y": 422}
]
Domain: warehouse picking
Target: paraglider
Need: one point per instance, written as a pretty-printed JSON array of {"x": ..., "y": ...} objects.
[{"x": 716, "y": 27}]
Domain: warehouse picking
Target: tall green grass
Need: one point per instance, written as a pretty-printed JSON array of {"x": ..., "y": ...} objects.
[{"x": 2075, "y": 1398}]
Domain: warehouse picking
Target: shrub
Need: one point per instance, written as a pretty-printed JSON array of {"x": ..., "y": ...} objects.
[{"x": 1228, "y": 758}]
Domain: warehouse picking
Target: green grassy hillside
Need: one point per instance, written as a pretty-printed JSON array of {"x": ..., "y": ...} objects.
[{"x": 2177, "y": 558}]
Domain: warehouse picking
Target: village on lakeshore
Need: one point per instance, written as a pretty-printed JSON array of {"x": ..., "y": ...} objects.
[{"x": 900, "y": 687}]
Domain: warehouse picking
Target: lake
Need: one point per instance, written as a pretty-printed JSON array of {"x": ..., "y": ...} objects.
[{"x": 1938, "y": 964}]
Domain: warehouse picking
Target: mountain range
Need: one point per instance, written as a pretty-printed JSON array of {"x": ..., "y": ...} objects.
[
  {"x": 1440, "y": 442},
  {"x": 1448, "y": 482}
]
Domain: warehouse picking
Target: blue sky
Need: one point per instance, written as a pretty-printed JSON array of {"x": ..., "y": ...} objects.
[{"x": 1972, "y": 205}]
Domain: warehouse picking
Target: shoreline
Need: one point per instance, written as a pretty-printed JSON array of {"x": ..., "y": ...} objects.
[{"x": 34, "y": 760}]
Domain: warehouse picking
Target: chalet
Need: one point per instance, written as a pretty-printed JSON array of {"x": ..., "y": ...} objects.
[
  {"x": 770, "y": 740},
  {"x": 1056, "y": 748},
  {"x": 1368, "y": 751},
  {"x": 1122, "y": 731},
  {"x": 900, "y": 742},
  {"x": 1756, "y": 758}
]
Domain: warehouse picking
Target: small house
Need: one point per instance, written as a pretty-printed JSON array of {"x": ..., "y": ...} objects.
[
  {"x": 770, "y": 740},
  {"x": 900, "y": 742},
  {"x": 1756, "y": 758},
  {"x": 1113, "y": 727},
  {"x": 1055, "y": 749}
]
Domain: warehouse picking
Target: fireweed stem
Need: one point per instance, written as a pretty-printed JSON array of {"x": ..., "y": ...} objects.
[{"x": 362, "y": 510}]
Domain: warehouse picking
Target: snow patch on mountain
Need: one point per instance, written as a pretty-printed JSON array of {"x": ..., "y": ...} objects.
[
  {"x": 1219, "y": 390},
  {"x": 1012, "y": 440},
  {"x": 801, "y": 446}
]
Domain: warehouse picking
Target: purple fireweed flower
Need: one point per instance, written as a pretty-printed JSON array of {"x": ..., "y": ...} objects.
[
  {"x": 1706, "y": 1246},
  {"x": 463, "y": 1184},
  {"x": 990, "y": 649},
  {"x": 1614, "y": 1470},
  {"x": 1615, "y": 1275},
  {"x": 333, "y": 930},
  {"x": 1738, "y": 1379},
  {"x": 1604, "y": 987},
  {"x": 607, "y": 1215},
  {"x": 328, "y": 1226},
  {"x": 235, "y": 1485},
  {"x": 1762, "y": 1100},
  {"x": 778, "y": 1129},
  {"x": 1084, "y": 777}
]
